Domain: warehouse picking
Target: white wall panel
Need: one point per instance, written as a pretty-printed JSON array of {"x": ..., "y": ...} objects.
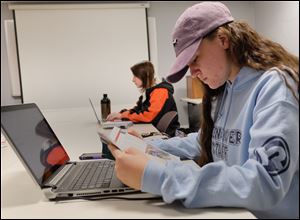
[
  {"x": 68, "y": 54},
  {"x": 12, "y": 57}
]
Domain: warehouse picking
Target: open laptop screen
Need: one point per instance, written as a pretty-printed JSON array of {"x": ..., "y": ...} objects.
[{"x": 33, "y": 139}]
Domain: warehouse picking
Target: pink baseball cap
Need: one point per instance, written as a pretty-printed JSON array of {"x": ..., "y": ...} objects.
[{"x": 194, "y": 24}]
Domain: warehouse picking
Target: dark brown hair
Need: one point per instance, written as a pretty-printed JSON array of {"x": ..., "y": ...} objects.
[
  {"x": 145, "y": 72},
  {"x": 247, "y": 48}
]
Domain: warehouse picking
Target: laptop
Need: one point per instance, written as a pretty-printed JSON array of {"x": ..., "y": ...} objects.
[
  {"x": 111, "y": 124},
  {"x": 45, "y": 159}
]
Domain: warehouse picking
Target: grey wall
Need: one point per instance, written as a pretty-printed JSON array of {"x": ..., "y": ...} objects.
[{"x": 278, "y": 21}]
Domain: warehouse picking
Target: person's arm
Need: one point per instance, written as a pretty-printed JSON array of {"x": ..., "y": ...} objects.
[
  {"x": 114, "y": 116},
  {"x": 185, "y": 147},
  {"x": 259, "y": 183},
  {"x": 157, "y": 100}
]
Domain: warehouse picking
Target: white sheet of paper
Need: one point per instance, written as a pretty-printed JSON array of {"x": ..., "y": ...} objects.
[{"x": 121, "y": 139}]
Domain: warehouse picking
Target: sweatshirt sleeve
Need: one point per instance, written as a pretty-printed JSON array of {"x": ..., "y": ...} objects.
[
  {"x": 157, "y": 100},
  {"x": 258, "y": 184},
  {"x": 184, "y": 147}
]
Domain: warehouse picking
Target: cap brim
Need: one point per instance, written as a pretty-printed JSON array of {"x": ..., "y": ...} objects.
[{"x": 180, "y": 66}]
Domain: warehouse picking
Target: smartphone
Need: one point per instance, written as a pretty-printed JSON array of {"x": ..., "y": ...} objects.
[{"x": 90, "y": 156}]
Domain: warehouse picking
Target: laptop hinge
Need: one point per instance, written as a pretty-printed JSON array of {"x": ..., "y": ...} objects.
[{"x": 52, "y": 182}]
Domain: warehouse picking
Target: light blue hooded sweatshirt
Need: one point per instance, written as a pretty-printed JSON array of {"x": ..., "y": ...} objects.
[{"x": 255, "y": 148}]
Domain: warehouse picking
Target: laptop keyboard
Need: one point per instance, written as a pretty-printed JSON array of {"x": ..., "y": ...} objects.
[{"x": 93, "y": 175}]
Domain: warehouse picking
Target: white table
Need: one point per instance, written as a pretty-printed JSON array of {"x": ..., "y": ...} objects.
[{"x": 21, "y": 198}]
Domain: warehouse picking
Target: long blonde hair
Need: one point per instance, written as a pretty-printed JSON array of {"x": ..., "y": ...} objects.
[{"x": 247, "y": 48}]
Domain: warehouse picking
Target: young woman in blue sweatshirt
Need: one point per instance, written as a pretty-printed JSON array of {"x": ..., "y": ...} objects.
[{"x": 247, "y": 149}]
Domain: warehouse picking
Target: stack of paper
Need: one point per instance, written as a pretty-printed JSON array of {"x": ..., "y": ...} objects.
[{"x": 121, "y": 139}]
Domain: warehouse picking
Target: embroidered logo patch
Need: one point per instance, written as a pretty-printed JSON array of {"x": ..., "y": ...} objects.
[{"x": 274, "y": 155}]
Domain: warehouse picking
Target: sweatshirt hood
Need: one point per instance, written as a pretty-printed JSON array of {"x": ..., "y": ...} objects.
[
  {"x": 245, "y": 76},
  {"x": 164, "y": 84}
]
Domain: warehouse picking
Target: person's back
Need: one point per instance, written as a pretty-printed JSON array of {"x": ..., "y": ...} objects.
[{"x": 160, "y": 91}]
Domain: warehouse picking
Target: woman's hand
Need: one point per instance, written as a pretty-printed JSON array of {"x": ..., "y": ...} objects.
[
  {"x": 134, "y": 133},
  {"x": 129, "y": 165},
  {"x": 114, "y": 116}
]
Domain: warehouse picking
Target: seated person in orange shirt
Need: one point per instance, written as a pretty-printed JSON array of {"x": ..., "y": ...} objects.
[{"x": 156, "y": 99}]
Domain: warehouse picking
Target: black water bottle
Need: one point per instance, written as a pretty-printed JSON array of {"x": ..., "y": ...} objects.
[{"x": 105, "y": 107}]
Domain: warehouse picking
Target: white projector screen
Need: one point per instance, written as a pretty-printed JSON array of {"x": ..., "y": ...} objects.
[{"x": 68, "y": 53}]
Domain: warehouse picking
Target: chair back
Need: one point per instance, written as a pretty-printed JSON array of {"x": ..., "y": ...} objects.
[{"x": 165, "y": 121}]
